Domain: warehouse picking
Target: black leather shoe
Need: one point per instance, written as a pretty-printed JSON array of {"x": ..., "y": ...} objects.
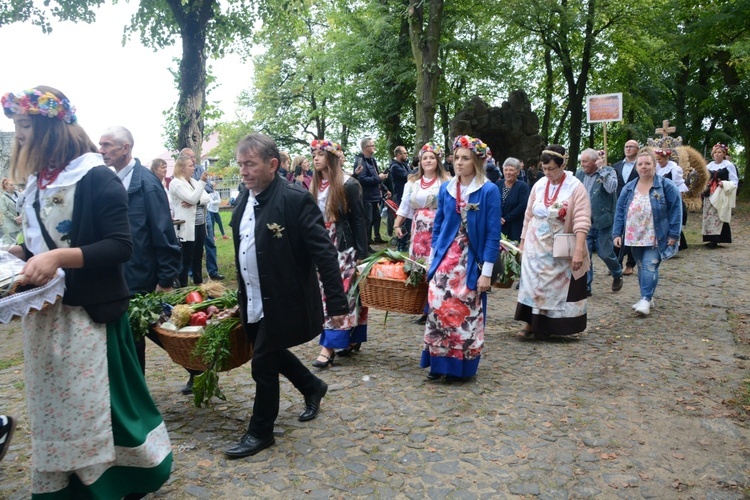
[
  {"x": 312, "y": 403},
  {"x": 617, "y": 284},
  {"x": 378, "y": 241},
  {"x": 249, "y": 445},
  {"x": 324, "y": 364},
  {"x": 422, "y": 320},
  {"x": 217, "y": 277},
  {"x": 188, "y": 389},
  {"x": 434, "y": 376}
]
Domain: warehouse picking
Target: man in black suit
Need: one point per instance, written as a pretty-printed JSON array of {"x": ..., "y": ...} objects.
[
  {"x": 626, "y": 172},
  {"x": 280, "y": 242}
]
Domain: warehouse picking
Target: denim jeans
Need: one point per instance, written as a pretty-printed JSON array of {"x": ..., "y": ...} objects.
[
  {"x": 648, "y": 260},
  {"x": 601, "y": 240},
  {"x": 212, "y": 265}
]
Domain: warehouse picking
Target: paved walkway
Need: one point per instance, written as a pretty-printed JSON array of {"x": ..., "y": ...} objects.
[{"x": 637, "y": 408}]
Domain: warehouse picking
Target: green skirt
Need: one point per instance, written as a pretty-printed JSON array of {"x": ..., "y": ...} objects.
[{"x": 143, "y": 457}]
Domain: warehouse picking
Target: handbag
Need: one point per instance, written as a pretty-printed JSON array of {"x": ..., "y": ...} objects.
[{"x": 563, "y": 245}]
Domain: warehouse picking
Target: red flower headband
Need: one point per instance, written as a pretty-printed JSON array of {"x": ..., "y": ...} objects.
[
  {"x": 476, "y": 146},
  {"x": 721, "y": 146},
  {"x": 325, "y": 145},
  {"x": 432, "y": 148},
  {"x": 34, "y": 102}
]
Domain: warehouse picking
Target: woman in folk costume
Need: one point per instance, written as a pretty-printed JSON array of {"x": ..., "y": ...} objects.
[
  {"x": 95, "y": 430},
  {"x": 419, "y": 203},
  {"x": 339, "y": 197},
  {"x": 465, "y": 246},
  {"x": 552, "y": 293},
  {"x": 719, "y": 198}
]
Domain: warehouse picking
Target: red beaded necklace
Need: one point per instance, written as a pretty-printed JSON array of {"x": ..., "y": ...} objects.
[
  {"x": 323, "y": 185},
  {"x": 459, "y": 202},
  {"x": 47, "y": 177},
  {"x": 547, "y": 200},
  {"x": 426, "y": 185}
]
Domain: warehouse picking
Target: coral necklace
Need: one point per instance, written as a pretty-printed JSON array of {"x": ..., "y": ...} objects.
[
  {"x": 47, "y": 177},
  {"x": 323, "y": 185},
  {"x": 426, "y": 185},
  {"x": 547, "y": 200},
  {"x": 459, "y": 202}
]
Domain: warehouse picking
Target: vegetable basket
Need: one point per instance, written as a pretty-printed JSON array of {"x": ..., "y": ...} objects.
[
  {"x": 393, "y": 295},
  {"x": 180, "y": 348}
]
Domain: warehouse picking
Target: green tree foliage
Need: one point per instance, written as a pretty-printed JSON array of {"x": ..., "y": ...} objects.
[
  {"x": 40, "y": 14},
  {"x": 204, "y": 28}
]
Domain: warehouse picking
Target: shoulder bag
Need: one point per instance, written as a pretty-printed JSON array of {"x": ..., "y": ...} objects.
[{"x": 563, "y": 245}]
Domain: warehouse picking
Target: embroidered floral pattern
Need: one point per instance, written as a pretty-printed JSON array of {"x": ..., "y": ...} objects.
[
  {"x": 348, "y": 265},
  {"x": 64, "y": 228},
  {"x": 455, "y": 324}
]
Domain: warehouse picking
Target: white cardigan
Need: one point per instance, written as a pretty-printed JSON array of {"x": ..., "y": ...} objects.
[{"x": 179, "y": 191}]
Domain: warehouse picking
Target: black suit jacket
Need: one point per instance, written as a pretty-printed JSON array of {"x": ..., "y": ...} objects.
[
  {"x": 620, "y": 181},
  {"x": 292, "y": 306},
  {"x": 514, "y": 208}
]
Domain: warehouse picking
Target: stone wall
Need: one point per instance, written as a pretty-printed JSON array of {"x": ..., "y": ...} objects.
[{"x": 510, "y": 130}]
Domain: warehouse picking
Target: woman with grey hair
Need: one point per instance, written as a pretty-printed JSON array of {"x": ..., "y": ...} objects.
[{"x": 514, "y": 197}]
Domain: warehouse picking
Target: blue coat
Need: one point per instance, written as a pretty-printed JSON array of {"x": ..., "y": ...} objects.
[
  {"x": 666, "y": 209},
  {"x": 514, "y": 208},
  {"x": 482, "y": 225}
]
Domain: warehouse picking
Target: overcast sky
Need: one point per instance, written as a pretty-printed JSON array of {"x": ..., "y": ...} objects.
[{"x": 107, "y": 83}]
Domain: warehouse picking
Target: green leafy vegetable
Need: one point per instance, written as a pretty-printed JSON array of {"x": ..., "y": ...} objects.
[{"x": 213, "y": 347}]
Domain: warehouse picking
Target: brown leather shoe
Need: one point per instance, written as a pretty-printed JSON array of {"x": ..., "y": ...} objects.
[{"x": 628, "y": 271}]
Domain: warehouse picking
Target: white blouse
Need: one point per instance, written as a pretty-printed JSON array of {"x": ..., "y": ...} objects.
[{"x": 415, "y": 197}]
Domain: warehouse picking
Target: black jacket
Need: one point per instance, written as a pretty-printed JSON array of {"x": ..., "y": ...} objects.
[
  {"x": 399, "y": 172},
  {"x": 292, "y": 306},
  {"x": 100, "y": 229},
  {"x": 351, "y": 225},
  {"x": 620, "y": 181},
  {"x": 156, "y": 252}
]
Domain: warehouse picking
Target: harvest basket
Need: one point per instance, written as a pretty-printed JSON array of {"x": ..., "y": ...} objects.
[
  {"x": 393, "y": 295},
  {"x": 180, "y": 347}
]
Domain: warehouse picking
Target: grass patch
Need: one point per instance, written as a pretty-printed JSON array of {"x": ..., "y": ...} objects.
[{"x": 7, "y": 363}]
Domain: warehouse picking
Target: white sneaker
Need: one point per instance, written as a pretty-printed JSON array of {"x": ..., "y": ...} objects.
[
  {"x": 643, "y": 307},
  {"x": 651, "y": 304}
]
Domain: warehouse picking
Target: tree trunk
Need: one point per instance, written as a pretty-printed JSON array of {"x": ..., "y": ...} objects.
[
  {"x": 193, "y": 22},
  {"x": 740, "y": 109},
  {"x": 548, "y": 92},
  {"x": 425, "y": 45}
]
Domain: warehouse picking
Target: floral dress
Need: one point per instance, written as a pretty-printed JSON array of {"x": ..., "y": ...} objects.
[
  {"x": 419, "y": 205},
  {"x": 354, "y": 329},
  {"x": 90, "y": 412},
  {"x": 454, "y": 331}
]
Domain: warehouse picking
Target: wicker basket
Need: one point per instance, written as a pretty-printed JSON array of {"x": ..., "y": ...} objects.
[
  {"x": 180, "y": 347},
  {"x": 393, "y": 295}
]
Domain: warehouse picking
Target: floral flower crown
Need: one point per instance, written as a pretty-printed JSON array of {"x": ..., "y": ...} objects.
[
  {"x": 432, "y": 148},
  {"x": 478, "y": 147},
  {"x": 663, "y": 152},
  {"x": 721, "y": 146},
  {"x": 35, "y": 102},
  {"x": 325, "y": 145}
]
